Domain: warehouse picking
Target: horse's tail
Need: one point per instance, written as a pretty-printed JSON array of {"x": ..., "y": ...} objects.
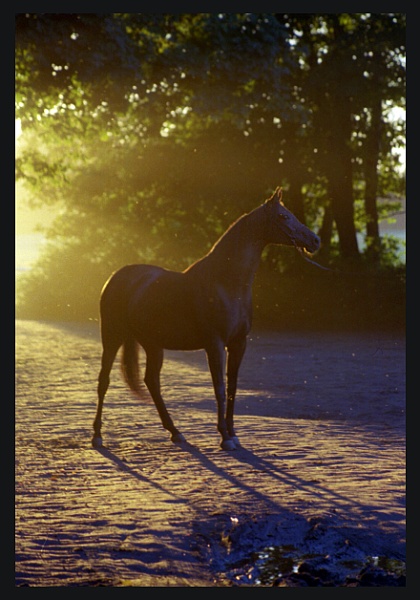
[{"x": 130, "y": 365}]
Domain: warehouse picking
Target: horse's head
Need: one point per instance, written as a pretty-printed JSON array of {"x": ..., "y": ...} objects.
[{"x": 285, "y": 228}]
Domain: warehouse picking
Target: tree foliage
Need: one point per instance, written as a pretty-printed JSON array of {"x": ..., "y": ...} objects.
[{"x": 154, "y": 131}]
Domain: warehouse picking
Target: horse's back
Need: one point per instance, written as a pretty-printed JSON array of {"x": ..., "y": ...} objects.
[
  {"x": 156, "y": 305},
  {"x": 122, "y": 286},
  {"x": 173, "y": 310},
  {"x": 129, "y": 277}
]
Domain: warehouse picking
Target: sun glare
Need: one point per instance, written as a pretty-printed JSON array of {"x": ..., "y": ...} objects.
[
  {"x": 28, "y": 240},
  {"x": 18, "y": 129}
]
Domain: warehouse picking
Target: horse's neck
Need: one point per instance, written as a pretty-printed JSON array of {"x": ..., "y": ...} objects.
[{"x": 235, "y": 257}]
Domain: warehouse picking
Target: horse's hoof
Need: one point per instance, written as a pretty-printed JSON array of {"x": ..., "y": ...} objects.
[
  {"x": 228, "y": 445},
  {"x": 97, "y": 442},
  {"x": 236, "y": 441},
  {"x": 178, "y": 438}
]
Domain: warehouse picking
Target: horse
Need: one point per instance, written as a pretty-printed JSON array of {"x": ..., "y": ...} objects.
[{"x": 207, "y": 306}]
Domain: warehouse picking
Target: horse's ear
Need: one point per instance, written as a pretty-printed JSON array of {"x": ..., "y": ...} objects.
[{"x": 277, "y": 196}]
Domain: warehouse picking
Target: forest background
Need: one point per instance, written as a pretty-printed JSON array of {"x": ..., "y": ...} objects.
[{"x": 146, "y": 135}]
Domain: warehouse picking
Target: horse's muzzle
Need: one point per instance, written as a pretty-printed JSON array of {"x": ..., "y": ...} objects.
[{"x": 313, "y": 244}]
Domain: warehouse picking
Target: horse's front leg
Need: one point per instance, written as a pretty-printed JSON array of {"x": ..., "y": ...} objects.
[
  {"x": 216, "y": 356},
  {"x": 235, "y": 354}
]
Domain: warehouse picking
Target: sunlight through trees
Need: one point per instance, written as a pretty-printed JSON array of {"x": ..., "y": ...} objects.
[{"x": 147, "y": 134}]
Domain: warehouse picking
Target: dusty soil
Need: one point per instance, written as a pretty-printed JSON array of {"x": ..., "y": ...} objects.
[{"x": 315, "y": 497}]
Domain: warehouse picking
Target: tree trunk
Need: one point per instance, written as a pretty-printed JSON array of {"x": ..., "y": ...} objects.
[
  {"x": 293, "y": 171},
  {"x": 295, "y": 197},
  {"x": 325, "y": 231},
  {"x": 372, "y": 149},
  {"x": 340, "y": 177}
]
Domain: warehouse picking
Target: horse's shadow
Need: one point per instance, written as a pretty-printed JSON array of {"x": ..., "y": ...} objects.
[
  {"x": 342, "y": 512},
  {"x": 122, "y": 465},
  {"x": 268, "y": 509},
  {"x": 279, "y": 476}
]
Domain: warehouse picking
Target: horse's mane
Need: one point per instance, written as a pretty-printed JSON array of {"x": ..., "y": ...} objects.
[{"x": 229, "y": 237}]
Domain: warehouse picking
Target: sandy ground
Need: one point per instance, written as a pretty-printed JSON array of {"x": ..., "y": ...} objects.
[{"x": 316, "y": 495}]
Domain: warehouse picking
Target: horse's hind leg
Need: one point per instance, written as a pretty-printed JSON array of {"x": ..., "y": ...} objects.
[
  {"x": 154, "y": 361},
  {"x": 109, "y": 353}
]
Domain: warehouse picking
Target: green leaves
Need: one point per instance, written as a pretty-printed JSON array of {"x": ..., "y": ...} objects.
[{"x": 164, "y": 128}]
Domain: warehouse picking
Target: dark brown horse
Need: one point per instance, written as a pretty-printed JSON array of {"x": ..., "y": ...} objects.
[{"x": 208, "y": 306}]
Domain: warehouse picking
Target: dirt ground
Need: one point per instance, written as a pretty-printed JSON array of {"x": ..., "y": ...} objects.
[{"x": 315, "y": 496}]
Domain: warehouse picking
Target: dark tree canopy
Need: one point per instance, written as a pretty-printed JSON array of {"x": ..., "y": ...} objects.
[{"x": 154, "y": 131}]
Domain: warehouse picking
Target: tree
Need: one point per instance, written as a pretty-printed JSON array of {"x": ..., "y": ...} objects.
[
  {"x": 385, "y": 76},
  {"x": 352, "y": 66},
  {"x": 155, "y": 131}
]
